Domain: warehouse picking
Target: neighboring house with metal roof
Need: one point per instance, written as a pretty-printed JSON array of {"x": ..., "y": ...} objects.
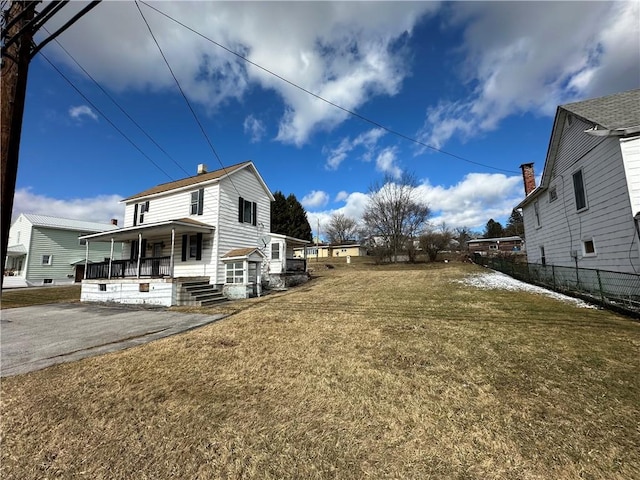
[
  {"x": 46, "y": 250},
  {"x": 194, "y": 241},
  {"x": 586, "y": 211}
]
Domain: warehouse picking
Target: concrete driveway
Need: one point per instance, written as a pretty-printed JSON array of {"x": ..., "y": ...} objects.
[{"x": 36, "y": 337}]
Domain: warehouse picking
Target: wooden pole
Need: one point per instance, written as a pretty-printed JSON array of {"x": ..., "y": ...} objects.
[{"x": 13, "y": 87}]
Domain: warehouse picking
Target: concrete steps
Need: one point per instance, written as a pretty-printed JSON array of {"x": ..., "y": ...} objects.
[{"x": 199, "y": 293}]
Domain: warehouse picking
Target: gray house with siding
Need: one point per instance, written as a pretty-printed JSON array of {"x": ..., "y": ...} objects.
[
  {"x": 586, "y": 211},
  {"x": 194, "y": 241},
  {"x": 46, "y": 250}
]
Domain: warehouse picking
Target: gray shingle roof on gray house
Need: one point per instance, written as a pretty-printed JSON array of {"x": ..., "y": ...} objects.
[{"x": 621, "y": 110}]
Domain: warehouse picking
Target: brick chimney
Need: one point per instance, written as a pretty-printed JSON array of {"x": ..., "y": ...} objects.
[
  {"x": 114, "y": 221},
  {"x": 528, "y": 177}
]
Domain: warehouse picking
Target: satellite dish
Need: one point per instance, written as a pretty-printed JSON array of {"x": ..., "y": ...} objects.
[{"x": 263, "y": 241}]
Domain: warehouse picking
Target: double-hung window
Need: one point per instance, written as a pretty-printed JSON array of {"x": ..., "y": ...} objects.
[
  {"x": 197, "y": 202},
  {"x": 275, "y": 251},
  {"x": 247, "y": 211},
  {"x": 579, "y": 191},
  {"x": 139, "y": 210}
]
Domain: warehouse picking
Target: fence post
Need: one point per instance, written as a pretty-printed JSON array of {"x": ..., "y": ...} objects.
[
  {"x": 553, "y": 276},
  {"x": 600, "y": 286}
]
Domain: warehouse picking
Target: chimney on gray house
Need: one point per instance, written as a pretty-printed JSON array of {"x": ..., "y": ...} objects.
[
  {"x": 114, "y": 221},
  {"x": 202, "y": 168},
  {"x": 528, "y": 177}
]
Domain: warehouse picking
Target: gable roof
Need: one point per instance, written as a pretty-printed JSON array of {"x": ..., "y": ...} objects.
[
  {"x": 209, "y": 177},
  {"x": 67, "y": 223},
  {"x": 621, "y": 110},
  {"x": 242, "y": 252},
  {"x": 617, "y": 114}
]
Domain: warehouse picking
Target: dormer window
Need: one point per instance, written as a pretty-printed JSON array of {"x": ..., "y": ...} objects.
[{"x": 197, "y": 202}]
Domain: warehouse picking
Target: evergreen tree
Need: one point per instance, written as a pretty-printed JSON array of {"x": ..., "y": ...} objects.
[
  {"x": 279, "y": 216},
  {"x": 288, "y": 217},
  {"x": 515, "y": 224},
  {"x": 298, "y": 223},
  {"x": 493, "y": 229}
]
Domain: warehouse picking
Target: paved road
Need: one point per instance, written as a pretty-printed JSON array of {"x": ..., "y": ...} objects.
[{"x": 36, "y": 337}]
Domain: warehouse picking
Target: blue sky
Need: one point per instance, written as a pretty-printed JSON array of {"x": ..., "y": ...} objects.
[{"x": 478, "y": 80}]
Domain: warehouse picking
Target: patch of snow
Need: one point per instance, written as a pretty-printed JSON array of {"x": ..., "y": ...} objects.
[{"x": 501, "y": 281}]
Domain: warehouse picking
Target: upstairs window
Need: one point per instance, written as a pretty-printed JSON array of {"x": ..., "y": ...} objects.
[
  {"x": 247, "y": 211},
  {"x": 579, "y": 191},
  {"x": 139, "y": 210},
  {"x": 536, "y": 212},
  {"x": 553, "y": 194},
  {"x": 82, "y": 241},
  {"x": 197, "y": 202},
  {"x": 47, "y": 259}
]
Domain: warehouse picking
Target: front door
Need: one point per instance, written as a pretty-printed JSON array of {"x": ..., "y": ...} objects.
[
  {"x": 155, "y": 262},
  {"x": 79, "y": 273}
]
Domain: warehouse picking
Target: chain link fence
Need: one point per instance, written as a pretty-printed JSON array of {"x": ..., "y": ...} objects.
[{"x": 614, "y": 290}]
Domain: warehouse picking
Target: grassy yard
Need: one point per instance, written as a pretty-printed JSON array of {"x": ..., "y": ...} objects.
[
  {"x": 24, "y": 297},
  {"x": 365, "y": 372}
]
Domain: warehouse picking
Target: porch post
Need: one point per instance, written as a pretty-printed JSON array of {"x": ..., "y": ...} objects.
[
  {"x": 139, "y": 255},
  {"x": 86, "y": 258},
  {"x": 110, "y": 259},
  {"x": 173, "y": 247}
]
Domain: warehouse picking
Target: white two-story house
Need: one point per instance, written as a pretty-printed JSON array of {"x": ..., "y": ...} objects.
[
  {"x": 586, "y": 211},
  {"x": 194, "y": 240}
]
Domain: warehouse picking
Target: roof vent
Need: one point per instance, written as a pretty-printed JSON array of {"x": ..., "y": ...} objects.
[{"x": 202, "y": 168}]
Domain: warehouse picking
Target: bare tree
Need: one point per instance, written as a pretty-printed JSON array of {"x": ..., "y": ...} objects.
[
  {"x": 341, "y": 229},
  {"x": 436, "y": 241},
  {"x": 394, "y": 215},
  {"x": 463, "y": 235}
]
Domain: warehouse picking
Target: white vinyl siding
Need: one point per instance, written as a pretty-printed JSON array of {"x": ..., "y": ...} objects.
[
  {"x": 608, "y": 220},
  {"x": 631, "y": 157},
  {"x": 231, "y": 233}
]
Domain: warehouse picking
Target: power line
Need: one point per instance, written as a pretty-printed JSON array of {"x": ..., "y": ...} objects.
[
  {"x": 319, "y": 97},
  {"x": 119, "y": 106},
  {"x": 103, "y": 115},
  {"x": 184, "y": 96}
]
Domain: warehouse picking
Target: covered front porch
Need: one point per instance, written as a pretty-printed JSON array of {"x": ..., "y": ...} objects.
[
  {"x": 157, "y": 263},
  {"x": 153, "y": 252}
]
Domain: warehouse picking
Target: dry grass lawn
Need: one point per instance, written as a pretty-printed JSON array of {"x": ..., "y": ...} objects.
[
  {"x": 365, "y": 372},
  {"x": 24, "y": 297}
]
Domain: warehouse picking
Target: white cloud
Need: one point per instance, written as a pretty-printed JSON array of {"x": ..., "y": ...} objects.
[
  {"x": 101, "y": 208},
  {"x": 82, "y": 111},
  {"x": 386, "y": 162},
  {"x": 341, "y": 196},
  {"x": 254, "y": 128},
  {"x": 530, "y": 57},
  {"x": 469, "y": 203},
  {"x": 368, "y": 140},
  {"x": 315, "y": 199},
  {"x": 347, "y": 52}
]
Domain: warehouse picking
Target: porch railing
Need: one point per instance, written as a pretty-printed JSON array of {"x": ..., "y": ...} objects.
[
  {"x": 296, "y": 265},
  {"x": 149, "y": 267}
]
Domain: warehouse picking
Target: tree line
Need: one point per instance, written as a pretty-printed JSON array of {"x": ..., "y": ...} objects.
[{"x": 394, "y": 225}]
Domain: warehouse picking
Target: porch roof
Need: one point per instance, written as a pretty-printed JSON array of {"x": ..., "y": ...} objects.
[
  {"x": 16, "y": 250},
  {"x": 183, "y": 225},
  {"x": 242, "y": 253}
]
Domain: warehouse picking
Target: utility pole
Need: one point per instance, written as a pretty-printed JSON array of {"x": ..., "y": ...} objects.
[
  {"x": 13, "y": 88},
  {"x": 20, "y": 22}
]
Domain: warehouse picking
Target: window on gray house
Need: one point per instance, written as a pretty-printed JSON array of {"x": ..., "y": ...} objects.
[
  {"x": 553, "y": 194},
  {"x": 579, "y": 191},
  {"x": 589, "y": 248},
  {"x": 543, "y": 258},
  {"x": 536, "y": 212},
  {"x": 275, "y": 251}
]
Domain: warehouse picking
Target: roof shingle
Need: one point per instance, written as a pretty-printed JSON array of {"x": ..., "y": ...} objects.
[{"x": 621, "y": 110}]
